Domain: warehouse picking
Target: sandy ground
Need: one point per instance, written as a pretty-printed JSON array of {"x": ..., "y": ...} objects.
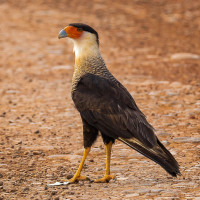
[{"x": 152, "y": 47}]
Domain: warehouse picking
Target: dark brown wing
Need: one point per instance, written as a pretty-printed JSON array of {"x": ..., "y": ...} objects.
[{"x": 109, "y": 107}]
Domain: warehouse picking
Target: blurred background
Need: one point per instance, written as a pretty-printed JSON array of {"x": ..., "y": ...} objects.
[
  {"x": 149, "y": 37},
  {"x": 151, "y": 46}
]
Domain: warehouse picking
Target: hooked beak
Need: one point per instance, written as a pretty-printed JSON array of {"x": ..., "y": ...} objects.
[{"x": 62, "y": 34}]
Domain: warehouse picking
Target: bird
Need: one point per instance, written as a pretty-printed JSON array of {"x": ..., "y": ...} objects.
[{"x": 107, "y": 108}]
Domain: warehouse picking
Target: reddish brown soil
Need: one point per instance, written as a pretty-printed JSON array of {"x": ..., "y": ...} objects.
[{"x": 40, "y": 130}]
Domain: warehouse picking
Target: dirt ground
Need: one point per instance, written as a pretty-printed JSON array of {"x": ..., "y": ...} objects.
[{"x": 152, "y": 47}]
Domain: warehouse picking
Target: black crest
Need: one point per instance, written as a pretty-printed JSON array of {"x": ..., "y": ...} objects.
[{"x": 87, "y": 28}]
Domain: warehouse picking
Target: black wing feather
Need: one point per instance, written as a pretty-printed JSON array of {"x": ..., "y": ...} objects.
[{"x": 109, "y": 107}]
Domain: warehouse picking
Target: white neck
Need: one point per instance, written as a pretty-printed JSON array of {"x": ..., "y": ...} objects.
[{"x": 86, "y": 46}]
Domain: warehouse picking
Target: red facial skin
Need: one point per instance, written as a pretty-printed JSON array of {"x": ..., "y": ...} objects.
[{"x": 73, "y": 32}]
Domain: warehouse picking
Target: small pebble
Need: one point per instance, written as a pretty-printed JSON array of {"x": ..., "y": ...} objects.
[
  {"x": 54, "y": 192},
  {"x": 37, "y": 152},
  {"x": 36, "y": 132},
  {"x": 26, "y": 189},
  {"x": 3, "y": 114},
  {"x": 69, "y": 176}
]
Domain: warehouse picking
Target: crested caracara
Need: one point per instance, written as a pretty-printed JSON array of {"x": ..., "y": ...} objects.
[{"x": 107, "y": 107}]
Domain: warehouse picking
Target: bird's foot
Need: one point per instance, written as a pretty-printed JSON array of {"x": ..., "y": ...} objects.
[
  {"x": 105, "y": 179},
  {"x": 78, "y": 178},
  {"x": 75, "y": 179}
]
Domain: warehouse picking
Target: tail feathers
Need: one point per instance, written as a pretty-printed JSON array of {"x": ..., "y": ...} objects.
[{"x": 158, "y": 154}]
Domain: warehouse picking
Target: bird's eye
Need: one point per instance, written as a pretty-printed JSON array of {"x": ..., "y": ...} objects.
[{"x": 79, "y": 29}]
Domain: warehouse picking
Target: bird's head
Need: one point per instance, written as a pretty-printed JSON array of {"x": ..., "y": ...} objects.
[
  {"x": 82, "y": 35},
  {"x": 85, "y": 38},
  {"x": 77, "y": 31}
]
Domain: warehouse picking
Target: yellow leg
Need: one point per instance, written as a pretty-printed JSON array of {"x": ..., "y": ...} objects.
[
  {"x": 107, "y": 177},
  {"x": 77, "y": 175}
]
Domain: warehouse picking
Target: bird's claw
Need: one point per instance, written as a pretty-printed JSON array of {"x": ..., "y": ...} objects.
[
  {"x": 105, "y": 179},
  {"x": 75, "y": 179},
  {"x": 78, "y": 178}
]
